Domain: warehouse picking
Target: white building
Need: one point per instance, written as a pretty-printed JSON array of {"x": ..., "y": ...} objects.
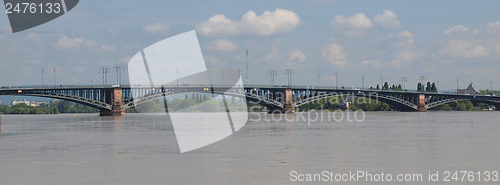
[
  {"x": 20, "y": 102},
  {"x": 36, "y": 104}
]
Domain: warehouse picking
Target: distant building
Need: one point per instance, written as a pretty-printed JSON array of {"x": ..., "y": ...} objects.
[
  {"x": 32, "y": 104},
  {"x": 347, "y": 102},
  {"x": 20, "y": 102},
  {"x": 36, "y": 104},
  {"x": 468, "y": 90}
]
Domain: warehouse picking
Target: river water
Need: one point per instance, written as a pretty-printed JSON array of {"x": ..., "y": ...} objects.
[{"x": 141, "y": 148}]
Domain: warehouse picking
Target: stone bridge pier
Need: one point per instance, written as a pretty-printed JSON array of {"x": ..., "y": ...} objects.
[
  {"x": 288, "y": 105},
  {"x": 421, "y": 103},
  {"x": 285, "y": 96},
  {"x": 115, "y": 98}
]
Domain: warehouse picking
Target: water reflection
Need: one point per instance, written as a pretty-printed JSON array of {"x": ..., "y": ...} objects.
[
  {"x": 117, "y": 131},
  {"x": 118, "y": 124},
  {"x": 0, "y": 127}
]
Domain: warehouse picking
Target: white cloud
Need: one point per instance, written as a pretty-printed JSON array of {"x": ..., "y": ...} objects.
[
  {"x": 90, "y": 43},
  {"x": 402, "y": 58},
  {"x": 464, "y": 49},
  {"x": 404, "y": 34},
  {"x": 124, "y": 59},
  {"x": 73, "y": 43},
  {"x": 457, "y": 28},
  {"x": 33, "y": 36},
  {"x": 297, "y": 55},
  {"x": 106, "y": 48},
  {"x": 273, "y": 55},
  {"x": 213, "y": 60},
  {"x": 494, "y": 25},
  {"x": 372, "y": 63},
  {"x": 268, "y": 23},
  {"x": 358, "y": 21},
  {"x": 387, "y": 19},
  {"x": 66, "y": 42},
  {"x": 497, "y": 48},
  {"x": 335, "y": 54},
  {"x": 223, "y": 45},
  {"x": 156, "y": 28}
]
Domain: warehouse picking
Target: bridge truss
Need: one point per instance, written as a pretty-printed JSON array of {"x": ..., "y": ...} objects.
[{"x": 274, "y": 98}]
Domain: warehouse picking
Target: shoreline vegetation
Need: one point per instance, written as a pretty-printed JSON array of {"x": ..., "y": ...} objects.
[
  {"x": 54, "y": 107},
  {"x": 329, "y": 104},
  {"x": 366, "y": 104}
]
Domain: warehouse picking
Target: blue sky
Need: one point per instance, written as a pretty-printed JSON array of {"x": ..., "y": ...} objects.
[{"x": 441, "y": 40}]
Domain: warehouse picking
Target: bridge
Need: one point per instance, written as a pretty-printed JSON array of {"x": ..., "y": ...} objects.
[{"x": 114, "y": 100}]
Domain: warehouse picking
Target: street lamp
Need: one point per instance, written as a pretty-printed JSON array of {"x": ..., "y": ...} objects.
[
  {"x": 318, "y": 78},
  {"x": 337, "y": 79},
  {"x": 404, "y": 80},
  {"x": 272, "y": 74},
  {"x": 363, "y": 81},
  {"x": 289, "y": 72},
  {"x": 55, "y": 77},
  {"x": 491, "y": 87},
  {"x": 42, "y": 77},
  {"x": 118, "y": 70}
]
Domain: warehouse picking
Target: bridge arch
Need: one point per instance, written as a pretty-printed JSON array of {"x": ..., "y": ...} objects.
[
  {"x": 400, "y": 103},
  {"x": 253, "y": 98},
  {"x": 434, "y": 104},
  {"x": 67, "y": 97}
]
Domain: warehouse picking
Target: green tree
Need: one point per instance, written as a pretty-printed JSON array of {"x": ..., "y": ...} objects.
[
  {"x": 367, "y": 104},
  {"x": 433, "y": 87},
  {"x": 428, "y": 88},
  {"x": 461, "y": 107},
  {"x": 420, "y": 87},
  {"x": 444, "y": 107},
  {"x": 469, "y": 106}
]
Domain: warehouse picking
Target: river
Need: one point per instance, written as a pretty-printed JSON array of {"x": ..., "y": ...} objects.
[{"x": 141, "y": 148}]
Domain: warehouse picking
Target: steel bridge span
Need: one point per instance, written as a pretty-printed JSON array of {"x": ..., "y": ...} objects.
[{"x": 113, "y": 101}]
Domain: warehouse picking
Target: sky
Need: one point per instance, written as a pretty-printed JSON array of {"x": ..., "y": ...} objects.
[{"x": 387, "y": 40}]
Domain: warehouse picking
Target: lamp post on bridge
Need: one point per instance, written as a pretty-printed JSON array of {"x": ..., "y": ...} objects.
[
  {"x": 491, "y": 87},
  {"x": 118, "y": 70},
  {"x": 55, "y": 77},
  {"x": 104, "y": 71},
  {"x": 42, "y": 77},
  {"x": 403, "y": 81},
  {"x": 363, "y": 81},
  {"x": 318, "y": 78},
  {"x": 336, "y": 80},
  {"x": 437, "y": 87},
  {"x": 289, "y": 72},
  {"x": 381, "y": 81},
  {"x": 272, "y": 74}
]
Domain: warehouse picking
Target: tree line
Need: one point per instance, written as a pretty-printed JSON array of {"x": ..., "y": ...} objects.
[
  {"x": 366, "y": 104},
  {"x": 387, "y": 87},
  {"x": 431, "y": 87},
  {"x": 54, "y": 107}
]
